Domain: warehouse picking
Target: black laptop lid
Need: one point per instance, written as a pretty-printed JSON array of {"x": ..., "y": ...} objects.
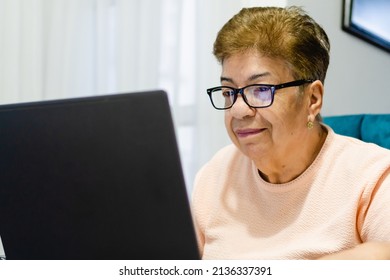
[{"x": 93, "y": 178}]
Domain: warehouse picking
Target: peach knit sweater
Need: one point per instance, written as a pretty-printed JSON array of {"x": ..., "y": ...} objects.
[{"x": 341, "y": 200}]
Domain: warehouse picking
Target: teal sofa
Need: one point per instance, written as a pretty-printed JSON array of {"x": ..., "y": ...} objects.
[{"x": 373, "y": 128}]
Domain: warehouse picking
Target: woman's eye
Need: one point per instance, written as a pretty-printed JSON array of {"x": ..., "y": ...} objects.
[
  {"x": 228, "y": 92},
  {"x": 261, "y": 89},
  {"x": 262, "y": 93}
]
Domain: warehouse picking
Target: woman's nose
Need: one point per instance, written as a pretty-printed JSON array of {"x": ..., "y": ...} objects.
[{"x": 241, "y": 109}]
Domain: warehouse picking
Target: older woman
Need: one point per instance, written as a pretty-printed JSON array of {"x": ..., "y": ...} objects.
[{"x": 289, "y": 187}]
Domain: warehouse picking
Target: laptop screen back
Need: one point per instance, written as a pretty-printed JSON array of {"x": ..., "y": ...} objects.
[{"x": 93, "y": 178}]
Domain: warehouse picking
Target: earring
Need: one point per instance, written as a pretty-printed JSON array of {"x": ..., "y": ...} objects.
[{"x": 310, "y": 124}]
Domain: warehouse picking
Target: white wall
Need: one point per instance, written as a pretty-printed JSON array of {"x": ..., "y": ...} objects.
[{"x": 359, "y": 73}]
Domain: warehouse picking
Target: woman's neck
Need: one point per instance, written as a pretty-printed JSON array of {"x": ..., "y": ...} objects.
[{"x": 279, "y": 170}]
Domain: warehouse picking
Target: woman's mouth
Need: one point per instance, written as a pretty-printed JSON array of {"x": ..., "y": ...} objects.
[{"x": 242, "y": 133}]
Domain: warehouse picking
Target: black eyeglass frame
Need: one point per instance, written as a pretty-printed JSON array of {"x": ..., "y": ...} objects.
[{"x": 273, "y": 88}]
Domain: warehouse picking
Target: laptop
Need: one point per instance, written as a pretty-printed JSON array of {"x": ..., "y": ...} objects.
[{"x": 93, "y": 178}]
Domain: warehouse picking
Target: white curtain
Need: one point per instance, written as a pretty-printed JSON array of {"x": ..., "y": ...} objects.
[{"x": 53, "y": 49}]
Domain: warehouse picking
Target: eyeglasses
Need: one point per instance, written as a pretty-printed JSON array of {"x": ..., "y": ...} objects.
[{"x": 255, "y": 96}]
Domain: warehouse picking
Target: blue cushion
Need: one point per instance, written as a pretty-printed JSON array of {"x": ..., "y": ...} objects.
[
  {"x": 348, "y": 125},
  {"x": 376, "y": 129}
]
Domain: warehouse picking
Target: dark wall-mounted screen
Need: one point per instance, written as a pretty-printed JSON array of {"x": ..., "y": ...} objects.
[{"x": 369, "y": 20}]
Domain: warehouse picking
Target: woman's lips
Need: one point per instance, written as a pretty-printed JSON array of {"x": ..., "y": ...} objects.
[{"x": 248, "y": 132}]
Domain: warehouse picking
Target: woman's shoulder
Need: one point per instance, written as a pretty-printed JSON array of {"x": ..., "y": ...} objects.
[
  {"x": 358, "y": 147},
  {"x": 220, "y": 166},
  {"x": 225, "y": 158},
  {"x": 209, "y": 180},
  {"x": 225, "y": 152},
  {"x": 357, "y": 154}
]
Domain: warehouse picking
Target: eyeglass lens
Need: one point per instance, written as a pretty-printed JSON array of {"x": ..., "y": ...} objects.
[{"x": 256, "y": 96}]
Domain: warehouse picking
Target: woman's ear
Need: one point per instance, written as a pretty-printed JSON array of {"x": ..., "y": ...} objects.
[{"x": 316, "y": 92}]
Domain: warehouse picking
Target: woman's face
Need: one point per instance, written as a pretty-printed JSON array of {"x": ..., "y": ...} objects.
[{"x": 266, "y": 135}]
